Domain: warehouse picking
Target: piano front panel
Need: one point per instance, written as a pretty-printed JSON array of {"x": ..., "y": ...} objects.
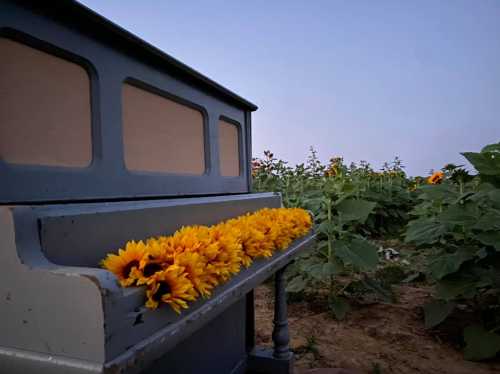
[{"x": 85, "y": 117}]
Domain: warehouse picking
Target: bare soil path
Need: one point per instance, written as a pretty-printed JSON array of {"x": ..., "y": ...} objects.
[{"x": 375, "y": 339}]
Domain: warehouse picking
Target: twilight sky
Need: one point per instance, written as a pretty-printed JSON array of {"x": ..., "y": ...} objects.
[{"x": 366, "y": 80}]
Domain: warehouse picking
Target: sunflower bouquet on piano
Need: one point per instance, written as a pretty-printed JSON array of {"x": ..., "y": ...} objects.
[{"x": 190, "y": 263}]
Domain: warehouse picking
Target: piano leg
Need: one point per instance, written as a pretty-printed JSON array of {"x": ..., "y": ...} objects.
[{"x": 278, "y": 360}]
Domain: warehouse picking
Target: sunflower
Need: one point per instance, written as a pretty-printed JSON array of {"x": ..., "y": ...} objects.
[
  {"x": 157, "y": 257},
  {"x": 161, "y": 249},
  {"x": 191, "y": 238},
  {"x": 125, "y": 262},
  {"x": 436, "y": 178},
  {"x": 229, "y": 257},
  {"x": 271, "y": 229},
  {"x": 195, "y": 259},
  {"x": 195, "y": 268},
  {"x": 233, "y": 234},
  {"x": 148, "y": 267},
  {"x": 256, "y": 235},
  {"x": 170, "y": 286},
  {"x": 282, "y": 226},
  {"x": 300, "y": 222}
]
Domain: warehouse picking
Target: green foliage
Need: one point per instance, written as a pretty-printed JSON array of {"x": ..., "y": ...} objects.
[
  {"x": 455, "y": 223},
  {"x": 339, "y": 306},
  {"x": 359, "y": 253},
  {"x": 349, "y": 210},
  {"x": 480, "y": 344},
  {"x": 436, "y": 312},
  {"x": 390, "y": 274},
  {"x": 312, "y": 347},
  {"x": 424, "y": 231},
  {"x": 350, "y": 204},
  {"x": 460, "y": 220}
]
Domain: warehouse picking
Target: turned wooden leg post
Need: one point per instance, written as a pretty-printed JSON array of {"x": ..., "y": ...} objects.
[
  {"x": 278, "y": 360},
  {"x": 281, "y": 336}
]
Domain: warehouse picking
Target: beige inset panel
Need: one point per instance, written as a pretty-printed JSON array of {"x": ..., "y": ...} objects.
[
  {"x": 229, "y": 150},
  {"x": 45, "y": 113},
  {"x": 161, "y": 135}
]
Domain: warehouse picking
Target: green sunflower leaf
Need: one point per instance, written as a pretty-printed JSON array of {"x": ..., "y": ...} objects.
[
  {"x": 449, "y": 289},
  {"x": 297, "y": 284},
  {"x": 355, "y": 210},
  {"x": 450, "y": 263},
  {"x": 358, "y": 252},
  {"x": 340, "y": 307},
  {"x": 487, "y": 163},
  {"x": 424, "y": 232},
  {"x": 491, "y": 238},
  {"x": 480, "y": 343},
  {"x": 436, "y": 312}
]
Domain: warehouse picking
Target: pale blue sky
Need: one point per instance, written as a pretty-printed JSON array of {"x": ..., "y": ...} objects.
[{"x": 360, "y": 79}]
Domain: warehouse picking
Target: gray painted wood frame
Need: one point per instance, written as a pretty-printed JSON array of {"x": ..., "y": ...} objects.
[
  {"x": 112, "y": 56},
  {"x": 60, "y": 311}
]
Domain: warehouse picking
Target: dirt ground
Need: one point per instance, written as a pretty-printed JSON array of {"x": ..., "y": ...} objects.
[{"x": 375, "y": 339}]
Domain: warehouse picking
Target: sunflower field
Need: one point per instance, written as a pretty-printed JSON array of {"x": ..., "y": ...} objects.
[{"x": 445, "y": 226}]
